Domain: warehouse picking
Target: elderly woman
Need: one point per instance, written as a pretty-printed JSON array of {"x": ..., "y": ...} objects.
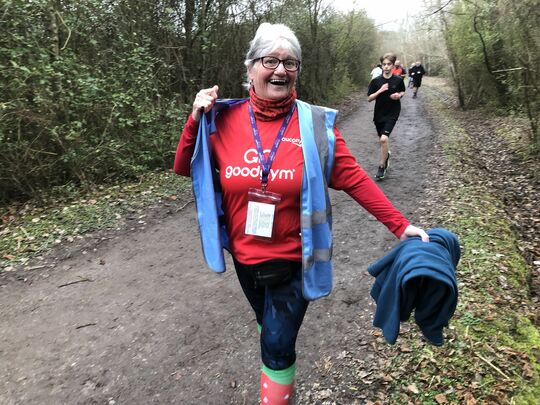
[{"x": 261, "y": 168}]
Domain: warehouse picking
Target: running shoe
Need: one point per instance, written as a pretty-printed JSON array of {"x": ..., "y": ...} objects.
[
  {"x": 387, "y": 163},
  {"x": 381, "y": 172}
]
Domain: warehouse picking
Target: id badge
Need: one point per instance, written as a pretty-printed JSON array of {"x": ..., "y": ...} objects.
[{"x": 261, "y": 213}]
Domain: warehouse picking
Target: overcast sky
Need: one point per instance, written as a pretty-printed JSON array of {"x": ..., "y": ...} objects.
[{"x": 387, "y": 12}]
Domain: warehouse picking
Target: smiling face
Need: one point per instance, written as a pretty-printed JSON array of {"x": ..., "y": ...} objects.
[{"x": 273, "y": 84}]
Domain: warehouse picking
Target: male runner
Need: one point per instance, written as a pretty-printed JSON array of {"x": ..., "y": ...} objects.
[
  {"x": 416, "y": 72},
  {"x": 387, "y": 89}
]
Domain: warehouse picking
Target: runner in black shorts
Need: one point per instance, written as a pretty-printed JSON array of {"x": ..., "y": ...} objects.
[
  {"x": 416, "y": 72},
  {"x": 387, "y": 89}
]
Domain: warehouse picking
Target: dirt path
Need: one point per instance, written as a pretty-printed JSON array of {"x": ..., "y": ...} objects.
[{"x": 140, "y": 320}]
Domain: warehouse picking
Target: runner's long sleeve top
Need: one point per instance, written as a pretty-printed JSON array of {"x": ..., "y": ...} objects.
[{"x": 236, "y": 158}]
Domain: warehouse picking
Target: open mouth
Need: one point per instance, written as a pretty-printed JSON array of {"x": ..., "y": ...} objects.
[{"x": 278, "y": 82}]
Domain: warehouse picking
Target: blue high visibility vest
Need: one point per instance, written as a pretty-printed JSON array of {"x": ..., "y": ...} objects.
[{"x": 318, "y": 146}]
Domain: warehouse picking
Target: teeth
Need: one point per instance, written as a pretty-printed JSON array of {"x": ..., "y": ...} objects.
[{"x": 276, "y": 81}]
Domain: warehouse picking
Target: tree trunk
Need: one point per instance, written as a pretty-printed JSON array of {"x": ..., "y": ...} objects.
[
  {"x": 54, "y": 45},
  {"x": 314, "y": 9},
  {"x": 453, "y": 62},
  {"x": 501, "y": 91}
]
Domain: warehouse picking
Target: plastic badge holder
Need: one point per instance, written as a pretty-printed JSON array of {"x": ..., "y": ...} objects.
[{"x": 262, "y": 208}]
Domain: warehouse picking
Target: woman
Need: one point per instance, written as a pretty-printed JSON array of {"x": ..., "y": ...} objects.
[{"x": 274, "y": 157}]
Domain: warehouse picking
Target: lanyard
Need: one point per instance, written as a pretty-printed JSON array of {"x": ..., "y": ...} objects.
[{"x": 266, "y": 164}]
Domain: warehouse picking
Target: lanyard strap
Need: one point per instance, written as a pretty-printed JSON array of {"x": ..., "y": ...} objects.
[{"x": 266, "y": 164}]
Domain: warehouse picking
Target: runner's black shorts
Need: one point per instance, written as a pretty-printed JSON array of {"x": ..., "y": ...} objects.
[
  {"x": 385, "y": 127},
  {"x": 417, "y": 82}
]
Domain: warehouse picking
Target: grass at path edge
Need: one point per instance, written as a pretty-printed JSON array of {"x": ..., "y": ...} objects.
[{"x": 492, "y": 349}]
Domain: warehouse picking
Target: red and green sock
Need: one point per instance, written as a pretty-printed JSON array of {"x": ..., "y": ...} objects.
[{"x": 277, "y": 385}]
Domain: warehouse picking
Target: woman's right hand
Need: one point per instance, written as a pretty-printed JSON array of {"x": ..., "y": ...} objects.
[{"x": 204, "y": 100}]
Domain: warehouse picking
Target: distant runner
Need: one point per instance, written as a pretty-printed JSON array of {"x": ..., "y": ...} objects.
[
  {"x": 376, "y": 71},
  {"x": 387, "y": 89},
  {"x": 399, "y": 70},
  {"x": 416, "y": 72},
  {"x": 411, "y": 78}
]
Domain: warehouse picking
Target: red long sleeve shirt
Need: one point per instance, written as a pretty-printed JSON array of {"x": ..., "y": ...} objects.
[{"x": 236, "y": 158}]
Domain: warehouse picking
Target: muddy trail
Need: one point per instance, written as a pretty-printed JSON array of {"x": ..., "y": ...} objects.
[{"x": 138, "y": 319}]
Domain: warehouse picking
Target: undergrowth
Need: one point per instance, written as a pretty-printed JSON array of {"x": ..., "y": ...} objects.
[
  {"x": 28, "y": 230},
  {"x": 491, "y": 354}
]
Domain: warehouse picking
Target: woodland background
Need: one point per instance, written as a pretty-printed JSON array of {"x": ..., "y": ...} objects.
[
  {"x": 93, "y": 96},
  {"x": 96, "y": 91}
]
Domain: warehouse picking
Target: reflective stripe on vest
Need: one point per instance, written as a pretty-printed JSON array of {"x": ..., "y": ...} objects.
[{"x": 318, "y": 145}]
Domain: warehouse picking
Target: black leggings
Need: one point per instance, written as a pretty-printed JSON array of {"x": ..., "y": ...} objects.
[{"x": 280, "y": 311}]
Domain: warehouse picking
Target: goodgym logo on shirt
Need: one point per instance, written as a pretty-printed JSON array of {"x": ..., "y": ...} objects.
[{"x": 251, "y": 157}]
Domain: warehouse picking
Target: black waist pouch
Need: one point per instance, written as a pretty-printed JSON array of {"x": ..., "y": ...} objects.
[{"x": 274, "y": 272}]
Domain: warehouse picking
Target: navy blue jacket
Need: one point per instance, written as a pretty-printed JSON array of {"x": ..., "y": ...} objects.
[{"x": 421, "y": 276}]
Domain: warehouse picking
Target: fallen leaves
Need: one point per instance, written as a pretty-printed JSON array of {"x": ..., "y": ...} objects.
[
  {"x": 469, "y": 399},
  {"x": 441, "y": 399}
]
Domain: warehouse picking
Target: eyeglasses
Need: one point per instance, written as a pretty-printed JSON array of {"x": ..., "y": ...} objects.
[{"x": 271, "y": 62}]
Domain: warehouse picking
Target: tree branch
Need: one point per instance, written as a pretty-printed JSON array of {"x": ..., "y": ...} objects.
[
  {"x": 68, "y": 29},
  {"x": 440, "y": 8}
]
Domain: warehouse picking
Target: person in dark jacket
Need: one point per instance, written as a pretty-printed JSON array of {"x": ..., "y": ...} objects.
[{"x": 416, "y": 73}]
